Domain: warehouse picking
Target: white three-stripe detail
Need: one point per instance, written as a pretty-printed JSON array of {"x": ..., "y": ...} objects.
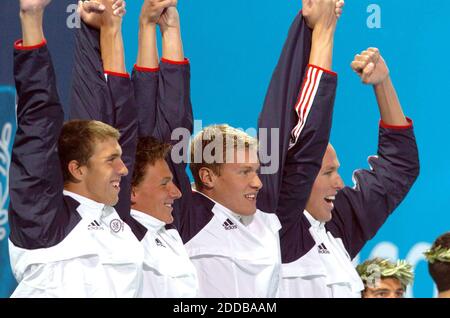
[{"x": 303, "y": 106}]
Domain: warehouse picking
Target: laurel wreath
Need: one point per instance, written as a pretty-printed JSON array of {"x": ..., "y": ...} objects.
[
  {"x": 438, "y": 254},
  {"x": 383, "y": 268}
]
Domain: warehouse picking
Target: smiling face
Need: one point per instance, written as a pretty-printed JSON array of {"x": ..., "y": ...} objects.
[
  {"x": 386, "y": 288},
  {"x": 156, "y": 193},
  {"x": 237, "y": 185},
  {"x": 327, "y": 184},
  {"x": 100, "y": 177}
]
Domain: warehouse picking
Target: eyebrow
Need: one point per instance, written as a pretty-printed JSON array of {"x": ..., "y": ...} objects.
[
  {"x": 381, "y": 290},
  {"x": 113, "y": 156},
  {"x": 333, "y": 167}
]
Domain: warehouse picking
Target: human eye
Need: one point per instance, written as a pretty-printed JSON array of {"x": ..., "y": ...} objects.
[{"x": 165, "y": 182}]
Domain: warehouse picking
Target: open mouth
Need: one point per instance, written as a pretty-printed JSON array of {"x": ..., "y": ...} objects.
[
  {"x": 330, "y": 200},
  {"x": 116, "y": 185},
  {"x": 168, "y": 205},
  {"x": 251, "y": 197}
]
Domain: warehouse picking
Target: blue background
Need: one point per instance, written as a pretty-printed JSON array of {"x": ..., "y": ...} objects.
[{"x": 233, "y": 47}]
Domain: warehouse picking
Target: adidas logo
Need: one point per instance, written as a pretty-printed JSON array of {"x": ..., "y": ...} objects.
[
  {"x": 323, "y": 249},
  {"x": 95, "y": 226},
  {"x": 159, "y": 243},
  {"x": 228, "y": 225}
]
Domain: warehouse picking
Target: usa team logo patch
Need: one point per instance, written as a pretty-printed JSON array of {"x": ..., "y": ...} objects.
[{"x": 116, "y": 225}]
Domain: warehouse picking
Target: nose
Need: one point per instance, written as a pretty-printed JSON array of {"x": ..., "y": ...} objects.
[
  {"x": 175, "y": 193},
  {"x": 122, "y": 170},
  {"x": 256, "y": 182},
  {"x": 338, "y": 183}
]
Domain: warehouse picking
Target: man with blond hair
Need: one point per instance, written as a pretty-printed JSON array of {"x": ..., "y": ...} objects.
[{"x": 229, "y": 228}]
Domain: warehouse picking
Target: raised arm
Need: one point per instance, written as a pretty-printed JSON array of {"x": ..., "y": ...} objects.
[
  {"x": 304, "y": 118},
  {"x": 36, "y": 215},
  {"x": 145, "y": 74},
  {"x": 360, "y": 211},
  {"x": 163, "y": 91},
  {"x": 302, "y": 70},
  {"x": 101, "y": 88}
]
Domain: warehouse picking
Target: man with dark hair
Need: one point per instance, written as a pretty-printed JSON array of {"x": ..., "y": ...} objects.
[
  {"x": 162, "y": 97},
  {"x": 66, "y": 238},
  {"x": 438, "y": 257},
  {"x": 385, "y": 279}
]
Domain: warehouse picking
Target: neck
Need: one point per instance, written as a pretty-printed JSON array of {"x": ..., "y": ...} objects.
[
  {"x": 444, "y": 294},
  {"x": 144, "y": 210},
  {"x": 77, "y": 188}
]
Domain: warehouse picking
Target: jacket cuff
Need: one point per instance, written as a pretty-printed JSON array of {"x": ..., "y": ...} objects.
[
  {"x": 146, "y": 69},
  {"x": 184, "y": 62},
  {"x": 323, "y": 69},
  {"x": 18, "y": 45},
  {"x": 384, "y": 125},
  {"x": 109, "y": 73}
]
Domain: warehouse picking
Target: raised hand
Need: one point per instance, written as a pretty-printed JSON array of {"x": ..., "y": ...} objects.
[
  {"x": 33, "y": 5},
  {"x": 108, "y": 19},
  {"x": 169, "y": 19},
  {"x": 91, "y": 11},
  {"x": 322, "y": 12},
  {"x": 339, "y": 8},
  {"x": 370, "y": 66},
  {"x": 153, "y": 9}
]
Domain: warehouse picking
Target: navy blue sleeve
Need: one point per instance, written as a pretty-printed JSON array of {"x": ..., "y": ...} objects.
[
  {"x": 110, "y": 100},
  {"x": 174, "y": 100},
  {"x": 90, "y": 97},
  {"x": 164, "y": 104},
  {"x": 299, "y": 103},
  {"x": 278, "y": 116},
  {"x": 38, "y": 217},
  {"x": 302, "y": 165},
  {"x": 163, "y": 99},
  {"x": 359, "y": 212},
  {"x": 145, "y": 83}
]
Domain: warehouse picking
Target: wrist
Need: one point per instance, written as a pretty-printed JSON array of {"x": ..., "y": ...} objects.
[
  {"x": 31, "y": 14},
  {"x": 147, "y": 23},
  {"x": 170, "y": 30},
  {"x": 324, "y": 32},
  {"x": 110, "y": 30},
  {"x": 383, "y": 83}
]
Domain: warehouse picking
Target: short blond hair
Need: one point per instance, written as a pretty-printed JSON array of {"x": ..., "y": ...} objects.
[
  {"x": 77, "y": 142},
  {"x": 226, "y": 136}
]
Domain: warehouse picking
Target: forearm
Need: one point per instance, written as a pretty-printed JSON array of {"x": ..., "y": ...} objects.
[
  {"x": 322, "y": 47},
  {"x": 147, "y": 46},
  {"x": 32, "y": 29},
  {"x": 112, "y": 49},
  {"x": 172, "y": 44},
  {"x": 389, "y": 105}
]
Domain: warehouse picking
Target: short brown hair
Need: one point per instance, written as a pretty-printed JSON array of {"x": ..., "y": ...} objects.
[
  {"x": 439, "y": 270},
  {"x": 206, "y": 137},
  {"x": 77, "y": 142},
  {"x": 149, "y": 151}
]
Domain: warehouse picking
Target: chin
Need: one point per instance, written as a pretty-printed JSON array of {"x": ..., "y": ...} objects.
[
  {"x": 247, "y": 212},
  {"x": 327, "y": 218}
]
